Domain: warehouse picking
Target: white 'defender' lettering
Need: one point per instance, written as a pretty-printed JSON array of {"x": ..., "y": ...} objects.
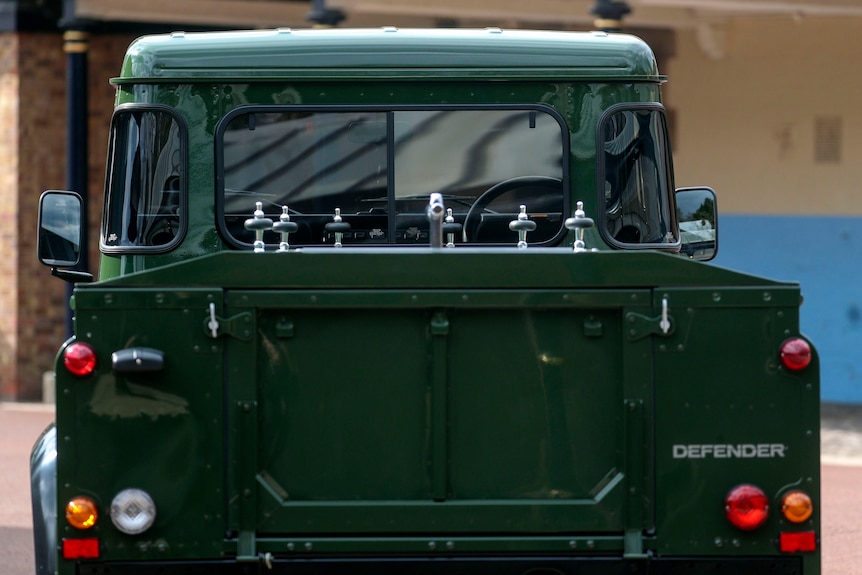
[{"x": 728, "y": 451}]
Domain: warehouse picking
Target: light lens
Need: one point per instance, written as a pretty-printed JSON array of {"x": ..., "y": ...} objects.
[
  {"x": 746, "y": 507},
  {"x": 133, "y": 511},
  {"x": 802, "y": 542},
  {"x": 79, "y": 359},
  {"x": 796, "y": 506},
  {"x": 81, "y": 548},
  {"x": 795, "y": 354},
  {"x": 81, "y": 512}
]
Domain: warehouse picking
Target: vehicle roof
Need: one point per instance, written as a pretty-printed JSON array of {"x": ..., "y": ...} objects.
[{"x": 387, "y": 53}]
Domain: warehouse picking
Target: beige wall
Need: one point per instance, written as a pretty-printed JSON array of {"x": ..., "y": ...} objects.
[{"x": 745, "y": 120}]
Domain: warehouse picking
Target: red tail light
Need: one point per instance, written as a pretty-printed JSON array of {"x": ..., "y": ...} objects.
[
  {"x": 746, "y": 507},
  {"x": 79, "y": 359},
  {"x": 795, "y": 354},
  {"x": 81, "y": 548},
  {"x": 802, "y": 542}
]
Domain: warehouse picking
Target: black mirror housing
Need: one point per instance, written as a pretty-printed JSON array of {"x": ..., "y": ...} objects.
[
  {"x": 60, "y": 229},
  {"x": 697, "y": 215}
]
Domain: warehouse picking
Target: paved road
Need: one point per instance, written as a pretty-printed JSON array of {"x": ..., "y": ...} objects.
[
  {"x": 841, "y": 437},
  {"x": 20, "y": 426}
]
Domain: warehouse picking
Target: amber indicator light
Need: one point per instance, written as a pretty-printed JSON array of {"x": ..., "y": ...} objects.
[
  {"x": 81, "y": 512},
  {"x": 796, "y": 506}
]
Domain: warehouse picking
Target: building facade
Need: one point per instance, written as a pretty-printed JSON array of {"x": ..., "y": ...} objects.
[{"x": 762, "y": 104}]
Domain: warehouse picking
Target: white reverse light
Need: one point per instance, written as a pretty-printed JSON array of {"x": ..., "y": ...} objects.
[{"x": 133, "y": 511}]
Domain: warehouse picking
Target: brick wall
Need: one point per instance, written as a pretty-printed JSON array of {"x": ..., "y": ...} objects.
[
  {"x": 32, "y": 159},
  {"x": 41, "y": 164},
  {"x": 9, "y": 129}
]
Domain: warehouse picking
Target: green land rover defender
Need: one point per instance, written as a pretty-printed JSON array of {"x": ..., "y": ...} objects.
[{"x": 415, "y": 302}]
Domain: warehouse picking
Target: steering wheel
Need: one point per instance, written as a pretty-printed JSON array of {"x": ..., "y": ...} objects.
[{"x": 472, "y": 219}]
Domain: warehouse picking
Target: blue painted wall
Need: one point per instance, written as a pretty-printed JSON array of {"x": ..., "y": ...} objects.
[{"x": 823, "y": 254}]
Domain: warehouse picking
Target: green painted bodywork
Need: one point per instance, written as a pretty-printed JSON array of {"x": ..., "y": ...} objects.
[
  {"x": 386, "y": 54},
  {"x": 418, "y": 401}
]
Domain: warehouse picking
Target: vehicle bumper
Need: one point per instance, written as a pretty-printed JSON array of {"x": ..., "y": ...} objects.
[{"x": 790, "y": 565}]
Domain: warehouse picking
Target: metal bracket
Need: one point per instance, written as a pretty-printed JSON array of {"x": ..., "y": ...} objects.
[
  {"x": 639, "y": 326},
  {"x": 238, "y": 326}
]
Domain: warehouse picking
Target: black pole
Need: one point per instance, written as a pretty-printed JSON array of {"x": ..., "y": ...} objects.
[{"x": 76, "y": 46}]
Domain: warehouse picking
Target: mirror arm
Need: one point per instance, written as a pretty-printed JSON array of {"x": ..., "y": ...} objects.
[{"x": 72, "y": 276}]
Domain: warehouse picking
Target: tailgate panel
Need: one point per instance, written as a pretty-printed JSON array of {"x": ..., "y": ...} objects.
[{"x": 484, "y": 416}]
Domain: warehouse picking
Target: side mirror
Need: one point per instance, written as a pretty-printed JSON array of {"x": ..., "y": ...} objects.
[
  {"x": 59, "y": 241},
  {"x": 61, "y": 234},
  {"x": 698, "y": 222}
]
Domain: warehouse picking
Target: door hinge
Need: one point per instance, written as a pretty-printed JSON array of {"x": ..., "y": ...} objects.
[
  {"x": 239, "y": 326},
  {"x": 639, "y": 326}
]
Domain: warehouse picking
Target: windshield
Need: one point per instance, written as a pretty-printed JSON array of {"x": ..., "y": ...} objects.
[
  {"x": 379, "y": 167},
  {"x": 637, "y": 181},
  {"x": 145, "y": 189}
]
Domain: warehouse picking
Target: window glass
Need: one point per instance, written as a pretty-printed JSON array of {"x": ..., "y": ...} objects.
[
  {"x": 144, "y": 182},
  {"x": 636, "y": 186},
  {"x": 378, "y": 168}
]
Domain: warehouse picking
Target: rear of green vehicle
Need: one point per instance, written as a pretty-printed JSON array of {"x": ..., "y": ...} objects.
[{"x": 283, "y": 367}]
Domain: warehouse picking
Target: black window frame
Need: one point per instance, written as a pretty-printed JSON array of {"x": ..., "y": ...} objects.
[
  {"x": 653, "y": 107},
  {"x": 219, "y": 163},
  {"x": 120, "y": 112}
]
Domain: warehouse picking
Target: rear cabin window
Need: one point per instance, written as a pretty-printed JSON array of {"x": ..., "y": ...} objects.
[
  {"x": 379, "y": 167},
  {"x": 635, "y": 162},
  {"x": 145, "y": 185}
]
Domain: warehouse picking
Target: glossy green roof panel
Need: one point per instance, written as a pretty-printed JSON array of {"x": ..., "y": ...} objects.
[{"x": 387, "y": 53}]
